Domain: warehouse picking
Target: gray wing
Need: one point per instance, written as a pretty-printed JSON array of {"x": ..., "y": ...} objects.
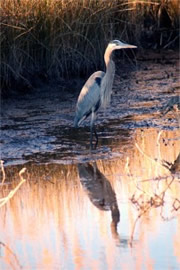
[{"x": 89, "y": 97}]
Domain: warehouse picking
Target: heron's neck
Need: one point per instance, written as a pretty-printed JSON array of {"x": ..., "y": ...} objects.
[
  {"x": 110, "y": 66},
  {"x": 108, "y": 78}
]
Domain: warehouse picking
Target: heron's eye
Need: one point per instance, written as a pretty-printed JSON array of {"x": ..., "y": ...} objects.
[{"x": 114, "y": 44}]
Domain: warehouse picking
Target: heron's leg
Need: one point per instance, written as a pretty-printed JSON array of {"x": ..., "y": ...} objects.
[
  {"x": 91, "y": 138},
  {"x": 92, "y": 129},
  {"x": 95, "y": 133}
]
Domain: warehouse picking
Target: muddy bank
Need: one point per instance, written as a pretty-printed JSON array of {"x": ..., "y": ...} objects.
[{"x": 38, "y": 126}]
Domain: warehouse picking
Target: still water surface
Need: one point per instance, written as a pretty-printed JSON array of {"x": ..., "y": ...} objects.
[
  {"x": 84, "y": 215},
  {"x": 116, "y": 207}
]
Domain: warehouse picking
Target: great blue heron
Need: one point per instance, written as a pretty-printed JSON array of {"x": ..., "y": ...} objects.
[{"x": 96, "y": 92}]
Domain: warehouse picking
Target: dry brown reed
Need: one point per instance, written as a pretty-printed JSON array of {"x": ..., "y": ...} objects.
[{"x": 65, "y": 38}]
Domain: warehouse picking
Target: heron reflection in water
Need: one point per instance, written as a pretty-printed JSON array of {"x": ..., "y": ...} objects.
[{"x": 100, "y": 192}]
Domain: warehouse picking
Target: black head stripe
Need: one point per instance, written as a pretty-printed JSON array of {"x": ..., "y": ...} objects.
[
  {"x": 98, "y": 81},
  {"x": 116, "y": 42}
]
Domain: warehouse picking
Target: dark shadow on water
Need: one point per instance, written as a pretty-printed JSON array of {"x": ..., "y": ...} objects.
[{"x": 100, "y": 192}]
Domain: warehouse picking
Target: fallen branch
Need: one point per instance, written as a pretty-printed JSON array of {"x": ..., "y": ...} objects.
[{"x": 12, "y": 192}]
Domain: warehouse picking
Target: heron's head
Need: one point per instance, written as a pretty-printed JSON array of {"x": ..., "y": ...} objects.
[{"x": 117, "y": 44}]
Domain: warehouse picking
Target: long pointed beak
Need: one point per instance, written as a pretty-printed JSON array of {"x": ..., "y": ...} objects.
[
  {"x": 130, "y": 46},
  {"x": 127, "y": 46}
]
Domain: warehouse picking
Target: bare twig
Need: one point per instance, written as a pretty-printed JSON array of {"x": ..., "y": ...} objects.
[
  {"x": 12, "y": 192},
  {"x": 169, "y": 43},
  {"x": 144, "y": 154},
  {"x": 154, "y": 160},
  {"x": 153, "y": 201},
  {"x": 3, "y": 171},
  {"x": 176, "y": 205}
]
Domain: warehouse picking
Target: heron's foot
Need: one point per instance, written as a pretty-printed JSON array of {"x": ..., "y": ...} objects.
[
  {"x": 96, "y": 136},
  {"x": 93, "y": 146}
]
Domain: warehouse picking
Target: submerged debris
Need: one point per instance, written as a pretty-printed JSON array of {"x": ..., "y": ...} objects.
[{"x": 172, "y": 104}]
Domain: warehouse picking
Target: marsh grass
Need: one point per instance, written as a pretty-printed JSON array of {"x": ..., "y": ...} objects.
[{"x": 55, "y": 38}]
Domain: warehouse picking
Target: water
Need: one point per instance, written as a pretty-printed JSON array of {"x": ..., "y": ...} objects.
[
  {"x": 116, "y": 207},
  {"x": 82, "y": 217}
]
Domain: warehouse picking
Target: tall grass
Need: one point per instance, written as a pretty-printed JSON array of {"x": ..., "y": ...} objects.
[{"x": 67, "y": 37}]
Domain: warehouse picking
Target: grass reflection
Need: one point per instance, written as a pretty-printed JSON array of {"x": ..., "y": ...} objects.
[{"x": 58, "y": 218}]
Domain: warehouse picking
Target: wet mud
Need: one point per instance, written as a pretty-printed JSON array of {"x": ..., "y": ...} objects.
[
  {"x": 109, "y": 208},
  {"x": 39, "y": 127}
]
